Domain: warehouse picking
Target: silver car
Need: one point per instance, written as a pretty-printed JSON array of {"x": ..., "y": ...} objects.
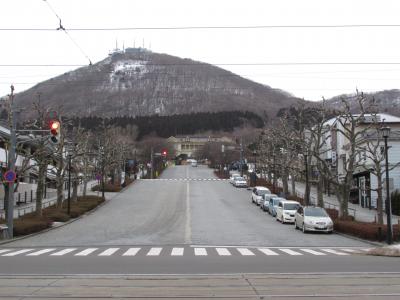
[
  {"x": 239, "y": 182},
  {"x": 310, "y": 218},
  {"x": 264, "y": 205}
]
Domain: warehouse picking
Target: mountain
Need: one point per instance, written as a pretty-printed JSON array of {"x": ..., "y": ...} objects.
[
  {"x": 138, "y": 82},
  {"x": 386, "y": 101}
]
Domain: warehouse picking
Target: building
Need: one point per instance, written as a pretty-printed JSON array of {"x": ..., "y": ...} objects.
[
  {"x": 188, "y": 145},
  {"x": 365, "y": 183}
]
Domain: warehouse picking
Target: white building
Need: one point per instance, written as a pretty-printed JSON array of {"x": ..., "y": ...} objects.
[{"x": 365, "y": 182}]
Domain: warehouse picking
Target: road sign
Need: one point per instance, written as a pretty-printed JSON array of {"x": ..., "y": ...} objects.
[
  {"x": 98, "y": 177},
  {"x": 10, "y": 176}
]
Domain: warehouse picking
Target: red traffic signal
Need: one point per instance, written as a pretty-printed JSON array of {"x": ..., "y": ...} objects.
[
  {"x": 55, "y": 131},
  {"x": 164, "y": 153}
]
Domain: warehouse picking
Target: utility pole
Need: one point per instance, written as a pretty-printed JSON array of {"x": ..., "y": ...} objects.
[
  {"x": 11, "y": 166},
  {"x": 151, "y": 163},
  {"x": 241, "y": 157}
]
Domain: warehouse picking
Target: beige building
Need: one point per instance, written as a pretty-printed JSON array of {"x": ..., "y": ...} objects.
[{"x": 190, "y": 144}]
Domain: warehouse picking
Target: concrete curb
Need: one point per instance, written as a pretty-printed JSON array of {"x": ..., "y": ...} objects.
[{"x": 68, "y": 222}]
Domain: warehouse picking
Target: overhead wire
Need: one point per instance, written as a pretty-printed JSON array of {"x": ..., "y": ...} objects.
[
  {"x": 209, "y": 27},
  {"x": 62, "y": 28}
]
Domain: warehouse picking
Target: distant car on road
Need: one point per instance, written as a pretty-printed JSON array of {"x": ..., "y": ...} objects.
[
  {"x": 257, "y": 193},
  {"x": 194, "y": 163},
  {"x": 286, "y": 211},
  {"x": 264, "y": 205},
  {"x": 310, "y": 218},
  {"x": 273, "y": 205},
  {"x": 239, "y": 182},
  {"x": 232, "y": 178}
]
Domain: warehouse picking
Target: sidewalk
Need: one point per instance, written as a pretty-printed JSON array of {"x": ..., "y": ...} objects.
[
  {"x": 359, "y": 213},
  {"x": 22, "y": 209}
]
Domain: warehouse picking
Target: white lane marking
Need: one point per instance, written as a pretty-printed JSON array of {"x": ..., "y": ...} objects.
[
  {"x": 17, "y": 252},
  {"x": 352, "y": 250},
  {"x": 154, "y": 252},
  {"x": 313, "y": 252},
  {"x": 267, "y": 251},
  {"x": 200, "y": 251},
  {"x": 290, "y": 252},
  {"x": 40, "y": 252},
  {"x": 223, "y": 251},
  {"x": 332, "y": 251},
  {"x": 131, "y": 252},
  {"x": 86, "y": 252},
  {"x": 5, "y": 250},
  {"x": 109, "y": 251},
  {"x": 63, "y": 252},
  {"x": 188, "y": 225},
  {"x": 245, "y": 251},
  {"x": 177, "y": 252}
]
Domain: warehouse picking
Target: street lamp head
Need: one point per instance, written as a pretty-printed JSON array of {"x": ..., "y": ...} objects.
[{"x": 385, "y": 131}]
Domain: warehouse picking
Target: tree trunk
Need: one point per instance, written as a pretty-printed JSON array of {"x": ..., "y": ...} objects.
[
  {"x": 269, "y": 176},
  {"x": 379, "y": 201},
  {"x": 75, "y": 189},
  {"x": 40, "y": 185},
  {"x": 85, "y": 177},
  {"x": 60, "y": 187},
  {"x": 285, "y": 184},
  {"x": 344, "y": 203},
  {"x": 293, "y": 185},
  {"x": 320, "y": 191}
]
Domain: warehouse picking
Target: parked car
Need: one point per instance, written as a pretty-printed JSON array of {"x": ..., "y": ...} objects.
[
  {"x": 286, "y": 211},
  {"x": 310, "y": 218},
  {"x": 257, "y": 193},
  {"x": 239, "y": 182},
  {"x": 273, "y": 204},
  {"x": 232, "y": 178},
  {"x": 194, "y": 163},
  {"x": 265, "y": 201}
]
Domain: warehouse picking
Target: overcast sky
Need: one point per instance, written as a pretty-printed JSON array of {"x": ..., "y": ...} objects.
[{"x": 267, "y": 46}]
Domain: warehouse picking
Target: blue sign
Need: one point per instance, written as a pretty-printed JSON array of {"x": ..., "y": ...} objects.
[{"x": 10, "y": 176}]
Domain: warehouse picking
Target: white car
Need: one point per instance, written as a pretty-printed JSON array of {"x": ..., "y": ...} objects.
[
  {"x": 239, "y": 182},
  {"x": 257, "y": 193},
  {"x": 310, "y": 218},
  {"x": 232, "y": 178},
  {"x": 286, "y": 210}
]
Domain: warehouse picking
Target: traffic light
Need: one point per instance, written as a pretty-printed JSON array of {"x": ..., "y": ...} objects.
[
  {"x": 55, "y": 131},
  {"x": 164, "y": 153}
]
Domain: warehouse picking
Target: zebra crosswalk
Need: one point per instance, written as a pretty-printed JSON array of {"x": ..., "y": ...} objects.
[
  {"x": 179, "y": 251},
  {"x": 187, "y": 179}
]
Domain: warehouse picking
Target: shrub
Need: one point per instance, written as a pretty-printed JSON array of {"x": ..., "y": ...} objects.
[
  {"x": 221, "y": 174},
  {"x": 333, "y": 213},
  {"x": 108, "y": 187},
  {"x": 364, "y": 230},
  {"x": 56, "y": 215},
  {"x": 30, "y": 224},
  {"x": 296, "y": 198}
]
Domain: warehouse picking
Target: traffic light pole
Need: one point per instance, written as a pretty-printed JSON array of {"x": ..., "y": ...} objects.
[{"x": 11, "y": 166}]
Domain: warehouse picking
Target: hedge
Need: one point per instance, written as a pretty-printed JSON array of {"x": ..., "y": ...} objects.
[{"x": 30, "y": 223}]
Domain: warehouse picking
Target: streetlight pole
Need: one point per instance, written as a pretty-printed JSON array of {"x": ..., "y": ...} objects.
[
  {"x": 386, "y": 133},
  {"x": 69, "y": 183},
  {"x": 102, "y": 172},
  {"x": 11, "y": 166},
  {"x": 307, "y": 188}
]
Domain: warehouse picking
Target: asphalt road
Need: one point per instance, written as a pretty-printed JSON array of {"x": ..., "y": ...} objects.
[
  {"x": 182, "y": 208},
  {"x": 185, "y": 222}
]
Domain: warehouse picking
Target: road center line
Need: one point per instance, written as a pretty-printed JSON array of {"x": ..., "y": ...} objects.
[{"x": 188, "y": 226}]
